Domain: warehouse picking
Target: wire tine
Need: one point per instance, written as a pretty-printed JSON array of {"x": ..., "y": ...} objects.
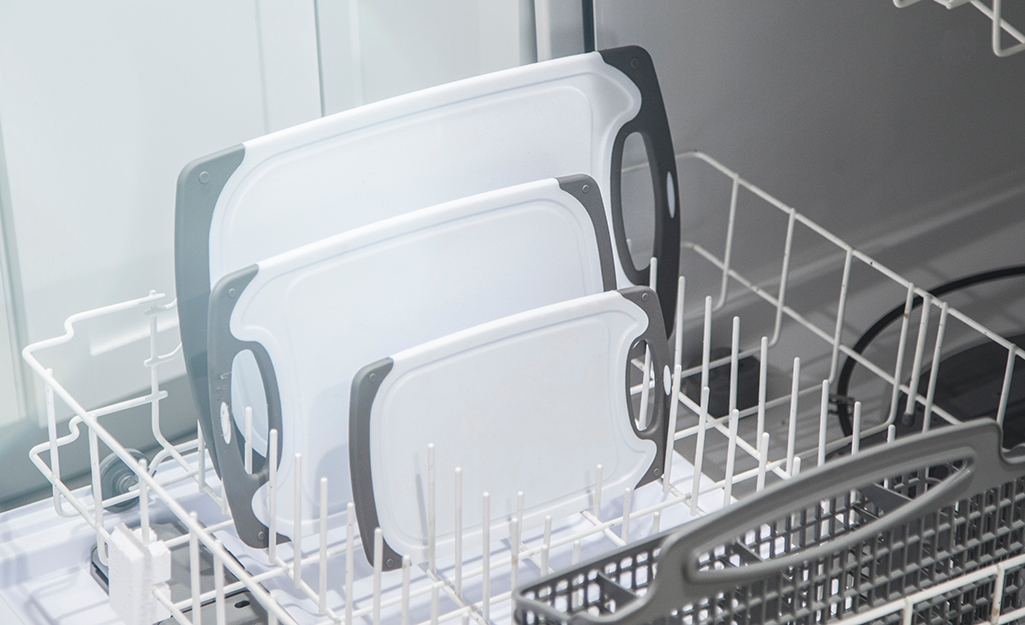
[
  {"x": 916, "y": 368},
  {"x": 763, "y": 460},
  {"x": 706, "y": 343},
  {"x": 219, "y": 584},
  {"x": 731, "y": 459},
  {"x": 322, "y": 594},
  {"x": 248, "y": 459},
  {"x": 350, "y": 520},
  {"x": 194, "y": 572},
  {"x": 734, "y": 363},
  {"x": 514, "y": 552},
  {"x": 856, "y": 429},
  {"x": 784, "y": 275},
  {"x": 546, "y": 543},
  {"x": 297, "y": 525},
  {"x": 681, "y": 288},
  {"x": 272, "y": 491},
  {"x": 728, "y": 251},
  {"x": 458, "y": 527},
  {"x": 1005, "y": 390},
  {"x": 405, "y": 590},
  {"x": 841, "y": 310},
  {"x": 935, "y": 368},
  {"x": 674, "y": 410},
  {"x": 699, "y": 451},
  {"x": 901, "y": 346},
  {"x": 795, "y": 389},
  {"x": 763, "y": 374},
  {"x": 823, "y": 422},
  {"x": 486, "y": 554},
  {"x": 378, "y": 565},
  {"x": 627, "y": 500},
  {"x": 432, "y": 515}
]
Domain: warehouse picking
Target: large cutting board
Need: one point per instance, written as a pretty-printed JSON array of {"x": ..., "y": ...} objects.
[
  {"x": 290, "y": 332},
  {"x": 289, "y": 188},
  {"x": 533, "y": 403}
]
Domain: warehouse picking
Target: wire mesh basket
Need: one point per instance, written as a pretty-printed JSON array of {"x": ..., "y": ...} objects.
[{"x": 868, "y": 538}]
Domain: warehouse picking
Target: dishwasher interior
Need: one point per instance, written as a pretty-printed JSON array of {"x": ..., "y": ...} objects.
[{"x": 771, "y": 316}]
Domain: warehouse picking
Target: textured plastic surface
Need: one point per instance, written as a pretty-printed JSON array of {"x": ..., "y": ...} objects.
[
  {"x": 296, "y": 186},
  {"x": 532, "y": 402},
  {"x": 313, "y": 316},
  {"x": 854, "y": 535}
]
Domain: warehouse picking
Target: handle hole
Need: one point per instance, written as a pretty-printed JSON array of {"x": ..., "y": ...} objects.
[
  {"x": 247, "y": 391},
  {"x": 641, "y": 404},
  {"x": 637, "y": 201},
  {"x": 837, "y": 515}
]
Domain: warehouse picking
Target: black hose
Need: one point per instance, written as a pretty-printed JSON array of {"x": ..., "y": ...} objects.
[{"x": 844, "y": 380}]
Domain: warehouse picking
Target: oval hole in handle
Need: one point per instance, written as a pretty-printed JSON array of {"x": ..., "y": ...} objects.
[
  {"x": 637, "y": 200},
  {"x": 828, "y": 524},
  {"x": 247, "y": 391},
  {"x": 641, "y": 415}
]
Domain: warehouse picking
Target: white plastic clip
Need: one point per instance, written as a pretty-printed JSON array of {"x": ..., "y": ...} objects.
[{"x": 134, "y": 572}]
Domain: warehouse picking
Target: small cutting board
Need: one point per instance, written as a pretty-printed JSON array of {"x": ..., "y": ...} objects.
[{"x": 533, "y": 402}]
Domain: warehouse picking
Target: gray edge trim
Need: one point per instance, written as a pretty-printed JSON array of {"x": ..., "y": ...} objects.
[
  {"x": 365, "y": 384},
  {"x": 585, "y": 190},
  {"x": 193, "y": 212},
  {"x": 652, "y": 125},
  {"x": 240, "y": 486},
  {"x": 654, "y": 335},
  {"x": 977, "y": 442}
]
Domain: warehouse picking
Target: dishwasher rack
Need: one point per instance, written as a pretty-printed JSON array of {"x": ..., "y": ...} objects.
[
  {"x": 719, "y": 458},
  {"x": 994, "y": 13}
]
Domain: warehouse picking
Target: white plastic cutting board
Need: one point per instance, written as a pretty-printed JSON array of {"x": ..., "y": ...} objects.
[
  {"x": 532, "y": 402},
  {"x": 318, "y": 313},
  {"x": 289, "y": 188}
]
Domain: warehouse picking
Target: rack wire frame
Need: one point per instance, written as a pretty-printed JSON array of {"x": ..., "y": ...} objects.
[
  {"x": 462, "y": 590},
  {"x": 994, "y": 13}
]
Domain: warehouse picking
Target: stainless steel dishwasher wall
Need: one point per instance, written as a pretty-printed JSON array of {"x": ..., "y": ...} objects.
[
  {"x": 873, "y": 121},
  {"x": 897, "y": 130}
]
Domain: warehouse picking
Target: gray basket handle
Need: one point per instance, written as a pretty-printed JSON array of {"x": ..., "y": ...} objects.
[{"x": 679, "y": 581}]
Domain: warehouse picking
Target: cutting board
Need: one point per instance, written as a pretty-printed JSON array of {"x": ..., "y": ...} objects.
[
  {"x": 533, "y": 402},
  {"x": 293, "y": 187},
  {"x": 291, "y": 331}
]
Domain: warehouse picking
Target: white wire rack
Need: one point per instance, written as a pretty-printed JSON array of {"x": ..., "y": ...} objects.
[
  {"x": 798, "y": 343},
  {"x": 994, "y": 13}
]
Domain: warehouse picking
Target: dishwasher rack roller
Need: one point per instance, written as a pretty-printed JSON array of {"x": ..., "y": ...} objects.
[{"x": 329, "y": 582}]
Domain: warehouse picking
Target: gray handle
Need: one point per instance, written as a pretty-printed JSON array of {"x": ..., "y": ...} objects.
[
  {"x": 239, "y": 486},
  {"x": 652, "y": 124},
  {"x": 655, "y": 337},
  {"x": 199, "y": 187}
]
